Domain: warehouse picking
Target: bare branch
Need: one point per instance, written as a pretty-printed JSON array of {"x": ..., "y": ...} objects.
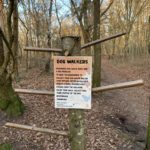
[
  {"x": 22, "y": 22},
  {"x": 76, "y": 10},
  {"x": 105, "y": 11},
  {"x": 59, "y": 21}
]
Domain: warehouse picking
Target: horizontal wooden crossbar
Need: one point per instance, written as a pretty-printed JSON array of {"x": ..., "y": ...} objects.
[
  {"x": 42, "y": 49},
  {"x": 31, "y": 91},
  {"x": 97, "y": 89},
  {"x": 33, "y": 128},
  {"x": 119, "y": 86}
]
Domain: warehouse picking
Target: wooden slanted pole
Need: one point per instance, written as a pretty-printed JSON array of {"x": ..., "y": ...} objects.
[
  {"x": 102, "y": 40},
  {"x": 33, "y": 128},
  {"x": 98, "y": 89}
]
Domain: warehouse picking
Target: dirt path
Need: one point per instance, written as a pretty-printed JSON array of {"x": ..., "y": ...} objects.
[
  {"x": 132, "y": 104},
  {"x": 133, "y": 101}
]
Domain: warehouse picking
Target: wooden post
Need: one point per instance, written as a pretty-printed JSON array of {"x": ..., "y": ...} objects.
[{"x": 71, "y": 46}]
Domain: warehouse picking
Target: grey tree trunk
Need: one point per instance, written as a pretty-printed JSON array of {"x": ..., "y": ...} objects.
[{"x": 71, "y": 47}]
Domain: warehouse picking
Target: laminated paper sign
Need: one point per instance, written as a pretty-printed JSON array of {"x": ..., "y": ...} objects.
[{"x": 72, "y": 80}]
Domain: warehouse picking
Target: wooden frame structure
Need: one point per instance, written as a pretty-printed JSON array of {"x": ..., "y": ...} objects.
[
  {"x": 76, "y": 137},
  {"x": 57, "y": 50},
  {"x": 51, "y": 93}
]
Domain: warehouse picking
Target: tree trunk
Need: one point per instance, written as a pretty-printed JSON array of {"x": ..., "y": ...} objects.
[
  {"x": 147, "y": 147},
  {"x": 72, "y": 47},
  {"x": 83, "y": 21},
  {"x": 126, "y": 47},
  {"x": 49, "y": 64},
  {"x": 149, "y": 36},
  {"x": 30, "y": 24},
  {"x": 97, "y": 48},
  {"x": 85, "y": 30},
  {"x": 9, "y": 100},
  {"x": 15, "y": 40},
  {"x": 1, "y": 51}
]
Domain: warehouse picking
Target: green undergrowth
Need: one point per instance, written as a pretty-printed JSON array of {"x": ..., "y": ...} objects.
[{"x": 6, "y": 147}]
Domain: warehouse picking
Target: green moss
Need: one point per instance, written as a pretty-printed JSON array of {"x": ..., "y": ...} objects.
[
  {"x": 10, "y": 102},
  {"x": 3, "y": 103},
  {"x": 6, "y": 147},
  {"x": 15, "y": 108}
]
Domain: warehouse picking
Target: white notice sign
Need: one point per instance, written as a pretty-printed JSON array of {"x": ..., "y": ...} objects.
[{"x": 72, "y": 80}]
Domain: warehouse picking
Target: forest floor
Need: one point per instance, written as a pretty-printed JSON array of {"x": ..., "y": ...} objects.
[{"x": 117, "y": 120}]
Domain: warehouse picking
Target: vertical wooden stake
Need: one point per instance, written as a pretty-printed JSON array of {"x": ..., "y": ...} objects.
[{"x": 71, "y": 47}]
